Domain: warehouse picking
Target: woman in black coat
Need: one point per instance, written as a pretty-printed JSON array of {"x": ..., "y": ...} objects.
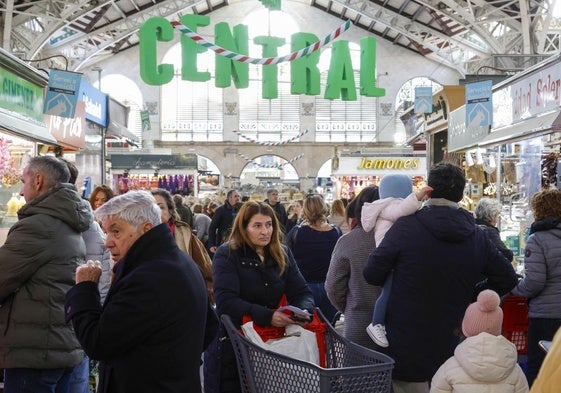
[{"x": 251, "y": 273}]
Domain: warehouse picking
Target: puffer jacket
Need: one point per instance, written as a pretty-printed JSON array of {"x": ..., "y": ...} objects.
[
  {"x": 542, "y": 280},
  {"x": 381, "y": 214},
  {"x": 481, "y": 364},
  {"x": 37, "y": 266}
]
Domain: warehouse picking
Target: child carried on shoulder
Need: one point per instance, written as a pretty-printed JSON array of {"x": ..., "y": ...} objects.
[{"x": 397, "y": 199}]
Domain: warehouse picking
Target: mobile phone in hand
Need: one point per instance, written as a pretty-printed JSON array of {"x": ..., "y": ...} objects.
[
  {"x": 545, "y": 345},
  {"x": 301, "y": 318}
]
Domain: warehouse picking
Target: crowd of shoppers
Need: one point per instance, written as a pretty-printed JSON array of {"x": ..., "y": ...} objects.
[{"x": 254, "y": 257}]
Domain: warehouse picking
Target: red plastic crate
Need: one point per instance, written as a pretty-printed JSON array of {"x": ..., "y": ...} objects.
[{"x": 515, "y": 322}]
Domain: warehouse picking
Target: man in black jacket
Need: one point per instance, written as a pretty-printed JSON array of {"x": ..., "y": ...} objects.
[
  {"x": 438, "y": 256},
  {"x": 222, "y": 221},
  {"x": 184, "y": 211},
  {"x": 156, "y": 320},
  {"x": 273, "y": 200}
]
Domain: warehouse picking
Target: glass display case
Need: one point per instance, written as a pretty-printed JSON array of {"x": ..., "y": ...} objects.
[
  {"x": 14, "y": 153},
  {"x": 520, "y": 178}
]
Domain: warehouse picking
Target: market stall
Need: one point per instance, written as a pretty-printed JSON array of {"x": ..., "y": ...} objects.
[
  {"x": 526, "y": 138},
  {"x": 22, "y": 130},
  {"x": 357, "y": 172}
]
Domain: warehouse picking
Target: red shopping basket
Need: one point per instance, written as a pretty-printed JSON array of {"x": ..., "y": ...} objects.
[
  {"x": 515, "y": 322},
  {"x": 317, "y": 326}
]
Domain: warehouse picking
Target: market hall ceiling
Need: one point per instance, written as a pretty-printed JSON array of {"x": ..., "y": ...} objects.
[{"x": 473, "y": 37}]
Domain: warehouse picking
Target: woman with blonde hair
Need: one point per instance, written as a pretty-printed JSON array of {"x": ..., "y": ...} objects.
[
  {"x": 294, "y": 214},
  {"x": 312, "y": 243},
  {"x": 338, "y": 215}
]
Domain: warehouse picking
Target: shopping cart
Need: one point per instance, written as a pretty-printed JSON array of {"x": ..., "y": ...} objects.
[{"x": 350, "y": 367}]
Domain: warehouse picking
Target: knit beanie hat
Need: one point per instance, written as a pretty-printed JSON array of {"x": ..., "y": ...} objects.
[
  {"x": 395, "y": 186},
  {"x": 485, "y": 315}
]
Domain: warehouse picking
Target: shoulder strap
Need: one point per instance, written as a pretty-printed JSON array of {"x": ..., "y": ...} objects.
[
  {"x": 293, "y": 233},
  {"x": 339, "y": 231}
]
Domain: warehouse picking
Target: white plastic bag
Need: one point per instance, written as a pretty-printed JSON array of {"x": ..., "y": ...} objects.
[{"x": 298, "y": 342}]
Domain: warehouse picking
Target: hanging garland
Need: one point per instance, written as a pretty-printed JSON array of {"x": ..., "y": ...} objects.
[
  {"x": 280, "y": 167},
  {"x": 265, "y": 60},
  {"x": 270, "y": 143}
]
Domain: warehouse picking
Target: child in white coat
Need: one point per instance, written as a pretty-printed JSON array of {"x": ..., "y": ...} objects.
[
  {"x": 397, "y": 199},
  {"x": 485, "y": 361}
]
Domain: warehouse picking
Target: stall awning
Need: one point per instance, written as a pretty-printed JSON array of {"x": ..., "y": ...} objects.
[
  {"x": 27, "y": 129},
  {"x": 531, "y": 127},
  {"x": 119, "y": 131}
]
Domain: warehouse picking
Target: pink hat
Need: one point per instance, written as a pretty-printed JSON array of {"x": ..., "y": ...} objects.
[{"x": 485, "y": 315}]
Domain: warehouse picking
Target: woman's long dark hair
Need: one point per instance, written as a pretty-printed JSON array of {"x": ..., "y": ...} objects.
[
  {"x": 368, "y": 194},
  {"x": 239, "y": 237}
]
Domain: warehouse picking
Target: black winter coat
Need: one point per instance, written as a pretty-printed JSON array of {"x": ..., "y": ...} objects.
[
  {"x": 280, "y": 212},
  {"x": 150, "y": 333},
  {"x": 243, "y": 285},
  {"x": 495, "y": 236},
  {"x": 437, "y": 256},
  {"x": 220, "y": 225}
]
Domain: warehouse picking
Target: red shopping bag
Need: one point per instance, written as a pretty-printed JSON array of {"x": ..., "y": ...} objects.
[{"x": 272, "y": 332}]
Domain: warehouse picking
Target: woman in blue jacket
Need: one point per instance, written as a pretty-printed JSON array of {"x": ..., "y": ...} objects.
[{"x": 251, "y": 273}]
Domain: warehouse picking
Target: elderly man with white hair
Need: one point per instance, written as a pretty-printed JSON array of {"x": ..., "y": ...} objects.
[{"x": 156, "y": 320}]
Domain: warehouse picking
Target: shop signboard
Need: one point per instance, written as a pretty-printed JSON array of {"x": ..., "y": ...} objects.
[
  {"x": 151, "y": 162},
  {"x": 537, "y": 93},
  {"x": 470, "y": 123},
  {"x": 447, "y": 99},
  {"x": 20, "y": 96},
  {"x": 62, "y": 93},
  {"x": 479, "y": 108},
  {"x": 458, "y": 136},
  {"x": 413, "y": 165},
  {"x": 70, "y": 132},
  {"x": 423, "y": 99},
  {"x": 96, "y": 103},
  {"x": 413, "y": 122}
]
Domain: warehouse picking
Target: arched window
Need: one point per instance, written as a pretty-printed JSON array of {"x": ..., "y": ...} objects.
[
  {"x": 191, "y": 111},
  {"x": 269, "y": 120},
  {"x": 345, "y": 121},
  {"x": 405, "y": 99},
  {"x": 127, "y": 92}
]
